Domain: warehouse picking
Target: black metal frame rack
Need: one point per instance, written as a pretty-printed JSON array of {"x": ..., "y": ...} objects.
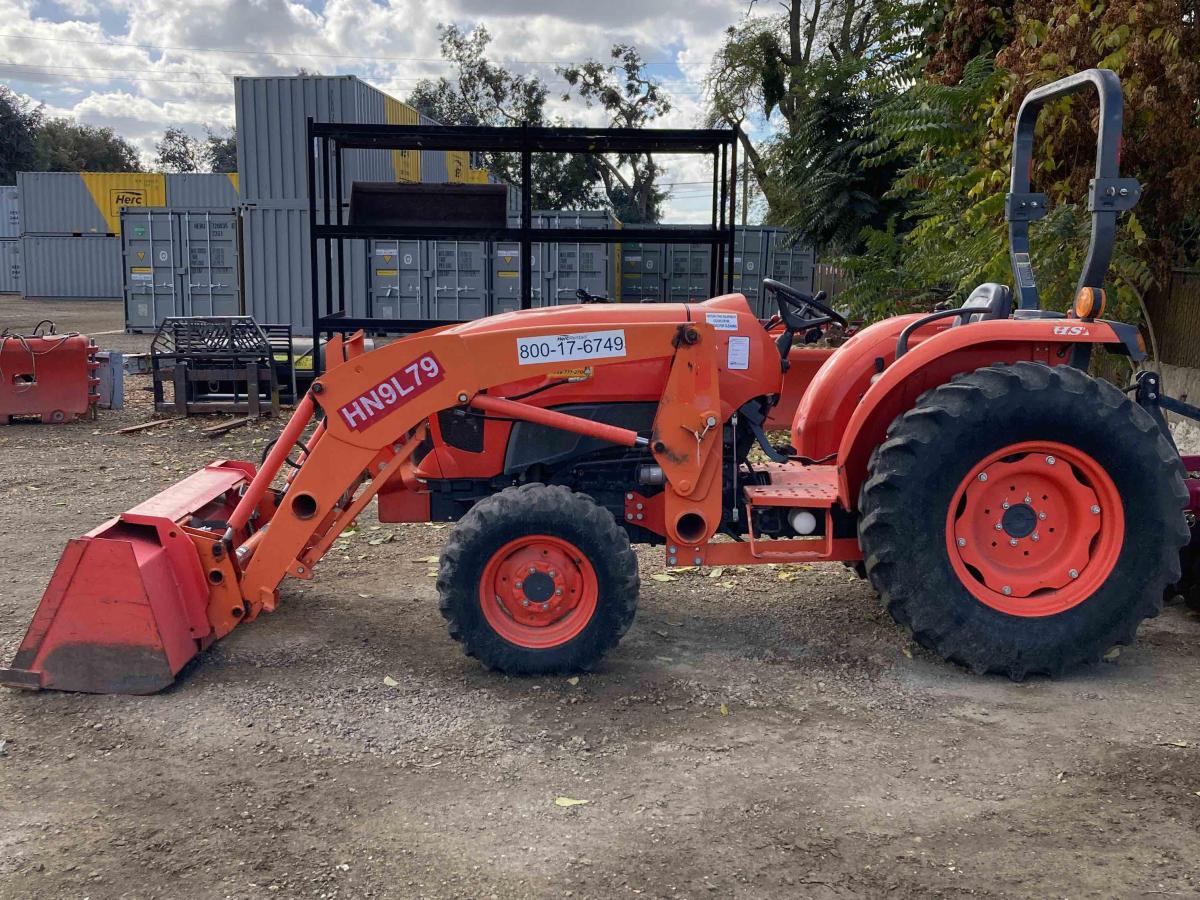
[{"x": 328, "y": 143}]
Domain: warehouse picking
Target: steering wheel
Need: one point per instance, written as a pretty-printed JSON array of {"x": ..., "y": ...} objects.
[
  {"x": 793, "y": 304},
  {"x": 795, "y": 309}
]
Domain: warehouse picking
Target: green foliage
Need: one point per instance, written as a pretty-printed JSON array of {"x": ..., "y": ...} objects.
[
  {"x": 67, "y": 146},
  {"x": 954, "y": 126},
  {"x": 632, "y": 100},
  {"x": 220, "y": 151},
  {"x": 484, "y": 93},
  {"x": 18, "y": 135},
  {"x": 178, "y": 151}
]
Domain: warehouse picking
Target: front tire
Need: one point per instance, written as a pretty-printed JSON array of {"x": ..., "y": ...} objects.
[
  {"x": 538, "y": 580},
  {"x": 1023, "y": 519}
]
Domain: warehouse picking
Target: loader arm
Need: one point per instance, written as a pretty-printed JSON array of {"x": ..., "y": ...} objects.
[{"x": 376, "y": 406}]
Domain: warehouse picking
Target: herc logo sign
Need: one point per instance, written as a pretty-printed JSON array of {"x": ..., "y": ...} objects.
[{"x": 390, "y": 394}]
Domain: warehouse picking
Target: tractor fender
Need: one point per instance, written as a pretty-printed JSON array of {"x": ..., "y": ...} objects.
[{"x": 941, "y": 356}]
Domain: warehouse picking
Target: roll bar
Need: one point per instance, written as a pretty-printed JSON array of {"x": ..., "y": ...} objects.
[{"x": 1108, "y": 193}]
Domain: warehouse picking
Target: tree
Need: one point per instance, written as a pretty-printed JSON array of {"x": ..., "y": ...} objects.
[
  {"x": 178, "y": 151},
  {"x": 772, "y": 65},
  {"x": 67, "y": 146},
  {"x": 632, "y": 100},
  {"x": 220, "y": 150},
  {"x": 18, "y": 135},
  {"x": 956, "y": 121},
  {"x": 484, "y": 93}
]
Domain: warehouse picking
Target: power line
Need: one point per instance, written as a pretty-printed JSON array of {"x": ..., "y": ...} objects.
[{"x": 300, "y": 53}]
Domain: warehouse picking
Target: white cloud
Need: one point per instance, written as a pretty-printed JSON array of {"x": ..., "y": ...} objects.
[{"x": 98, "y": 60}]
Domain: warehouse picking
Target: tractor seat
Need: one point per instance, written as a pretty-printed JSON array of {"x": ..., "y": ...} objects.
[{"x": 988, "y": 301}]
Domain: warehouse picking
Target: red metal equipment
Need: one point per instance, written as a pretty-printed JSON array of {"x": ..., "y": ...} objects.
[{"x": 48, "y": 376}]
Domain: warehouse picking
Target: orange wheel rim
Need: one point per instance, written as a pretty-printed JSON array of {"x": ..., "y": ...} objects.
[
  {"x": 538, "y": 591},
  {"x": 1034, "y": 529}
]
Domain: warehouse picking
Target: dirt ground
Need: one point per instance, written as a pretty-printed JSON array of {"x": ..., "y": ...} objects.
[{"x": 759, "y": 733}]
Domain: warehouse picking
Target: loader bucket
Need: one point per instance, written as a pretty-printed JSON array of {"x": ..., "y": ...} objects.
[{"x": 127, "y": 606}]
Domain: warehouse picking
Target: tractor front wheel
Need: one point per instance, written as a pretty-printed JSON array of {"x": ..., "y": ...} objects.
[
  {"x": 538, "y": 579},
  {"x": 1023, "y": 519}
]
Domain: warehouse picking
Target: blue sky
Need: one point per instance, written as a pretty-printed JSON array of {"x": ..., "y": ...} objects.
[{"x": 142, "y": 65}]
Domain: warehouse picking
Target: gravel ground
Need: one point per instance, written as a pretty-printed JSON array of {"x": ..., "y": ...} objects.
[{"x": 759, "y": 733}]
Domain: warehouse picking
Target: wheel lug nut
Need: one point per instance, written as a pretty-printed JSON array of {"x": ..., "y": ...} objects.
[
  {"x": 1004, "y": 505},
  {"x": 552, "y": 573},
  {"x": 962, "y": 542},
  {"x": 532, "y": 570},
  {"x": 1073, "y": 573},
  {"x": 524, "y": 602},
  {"x": 1028, "y": 499},
  {"x": 518, "y": 584},
  {"x": 558, "y": 592},
  {"x": 545, "y": 606},
  {"x": 983, "y": 476},
  {"x": 1035, "y": 537},
  {"x": 1006, "y": 590},
  {"x": 1012, "y": 542},
  {"x": 1095, "y": 510},
  {"x": 1041, "y": 515},
  {"x": 999, "y": 526},
  {"x": 1050, "y": 460}
]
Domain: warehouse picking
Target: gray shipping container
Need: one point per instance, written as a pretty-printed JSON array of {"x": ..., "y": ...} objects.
[
  {"x": 10, "y": 212},
  {"x": 63, "y": 266},
  {"x": 559, "y": 269},
  {"x": 179, "y": 263},
  {"x": 275, "y": 268},
  {"x": 10, "y": 267},
  {"x": 644, "y": 273},
  {"x": 794, "y": 265},
  {"x": 398, "y": 282},
  {"x": 194, "y": 190},
  {"x": 271, "y": 113}
]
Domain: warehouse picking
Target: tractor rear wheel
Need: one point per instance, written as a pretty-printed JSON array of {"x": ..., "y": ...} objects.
[
  {"x": 538, "y": 579},
  {"x": 1023, "y": 519}
]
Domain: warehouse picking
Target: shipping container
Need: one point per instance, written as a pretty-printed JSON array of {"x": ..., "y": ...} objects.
[
  {"x": 57, "y": 266},
  {"x": 10, "y": 212},
  {"x": 194, "y": 190},
  {"x": 458, "y": 283},
  {"x": 276, "y": 283},
  {"x": 271, "y": 115},
  {"x": 10, "y": 267},
  {"x": 559, "y": 269},
  {"x": 397, "y": 276},
  {"x": 84, "y": 203},
  {"x": 179, "y": 263},
  {"x": 405, "y": 163},
  {"x": 644, "y": 273},
  {"x": 792, "y": 264}
]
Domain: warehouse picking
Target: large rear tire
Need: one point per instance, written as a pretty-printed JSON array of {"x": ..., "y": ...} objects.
[
  {"x": 1023, "y": 519},
  {"x": 538, "y": 580}
]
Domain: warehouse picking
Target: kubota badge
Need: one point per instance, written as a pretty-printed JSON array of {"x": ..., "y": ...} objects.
[{"x": 370, "y": 406}]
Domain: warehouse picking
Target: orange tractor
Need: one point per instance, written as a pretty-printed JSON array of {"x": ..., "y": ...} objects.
[{"x": 1017, "y": 514}]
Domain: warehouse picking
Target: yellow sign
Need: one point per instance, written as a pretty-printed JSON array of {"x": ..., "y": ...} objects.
[
  {"x": 580, "y": 374},
  {"x": 141, "y": 254},
  {"x": 387, "y": 258},
  {"x": 508, "y": 274},
  {"x": 387, "y": 273},
  {"x": 113, "y": 191},
  {"x": 406, "y": 164},
  {"x": 142, "y": 270}
]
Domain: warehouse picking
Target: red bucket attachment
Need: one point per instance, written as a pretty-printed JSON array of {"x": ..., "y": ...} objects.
[{"x": 127, "y": 606}]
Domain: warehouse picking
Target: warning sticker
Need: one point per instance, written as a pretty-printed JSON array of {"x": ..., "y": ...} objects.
[
  {"x": 142, "y": 270},
  {"x": 390, "y": 394},
  {"x": 386, "y": 273},
  {"x": 565, "y": 347},
  {"x": 739, "y": 352},
  {"x": 722, "y": 321}
]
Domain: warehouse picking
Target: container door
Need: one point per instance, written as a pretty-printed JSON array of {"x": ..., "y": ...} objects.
[
  {"x": 459, "y": 280},
  {"x": 152, "y": 260},
  {"x": 395, "y": 279},
  {"x": 210, "y": 278},
  {"x": 689, "y": 273},
  {"x": 581, "y": 267},
  {"x": 506, "y": 276},
  {"x": 749, "y": 265},
  {"x": 644, "y": 273}
]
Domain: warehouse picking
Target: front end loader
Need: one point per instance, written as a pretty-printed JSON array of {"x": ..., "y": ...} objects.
[{"x": 1017, "y": 514}]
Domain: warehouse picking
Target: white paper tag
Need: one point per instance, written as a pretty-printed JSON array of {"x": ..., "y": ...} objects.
[
  {"x": 564, "y": 347},
  {"x": 739, "y": 352},
  {"x": 722, "y": 321}
]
